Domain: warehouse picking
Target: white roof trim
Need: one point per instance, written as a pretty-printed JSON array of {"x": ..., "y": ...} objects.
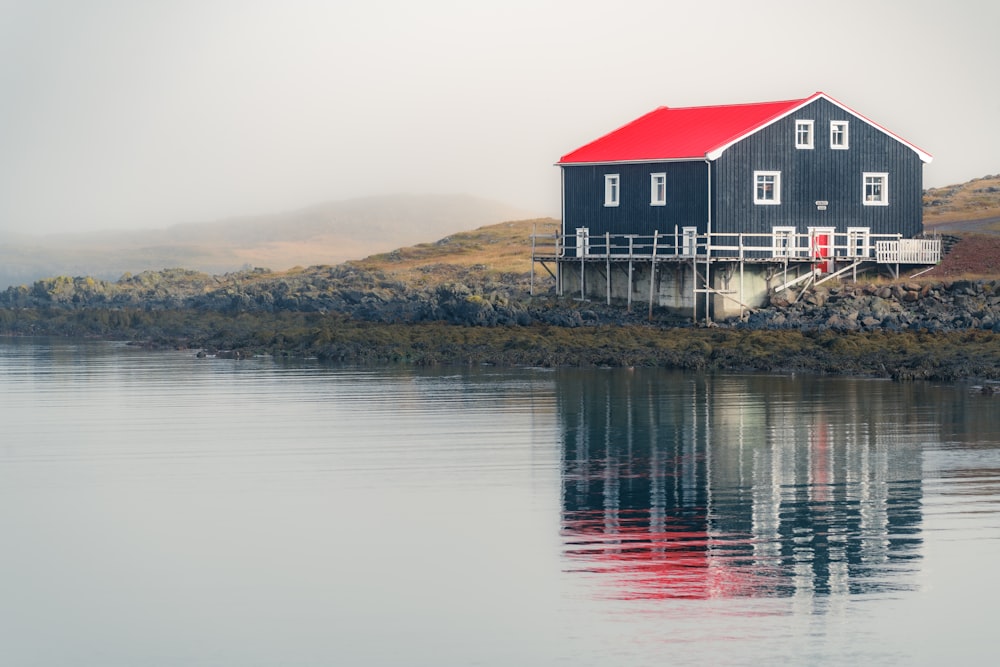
[{"x": 715, "y": 153}]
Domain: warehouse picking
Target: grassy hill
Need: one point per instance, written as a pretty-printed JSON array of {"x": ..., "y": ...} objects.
[
  {"x": 490, "y": 252},
  {"x": 966, "y": 207}
]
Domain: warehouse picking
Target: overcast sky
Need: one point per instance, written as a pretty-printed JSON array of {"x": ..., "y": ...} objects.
[{"x": 135, "y": 114}]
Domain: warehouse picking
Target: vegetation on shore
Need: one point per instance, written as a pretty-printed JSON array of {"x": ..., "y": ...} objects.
[{"x": 900, "y": 355}]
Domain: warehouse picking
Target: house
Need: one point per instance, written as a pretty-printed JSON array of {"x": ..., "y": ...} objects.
[{"x": 787, "y": 193}]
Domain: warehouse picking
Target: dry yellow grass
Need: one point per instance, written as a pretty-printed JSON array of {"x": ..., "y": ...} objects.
[{"x": 490, "y": 250}]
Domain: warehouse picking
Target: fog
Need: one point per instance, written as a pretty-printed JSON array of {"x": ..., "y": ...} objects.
[{"x": 119, "y": 114}]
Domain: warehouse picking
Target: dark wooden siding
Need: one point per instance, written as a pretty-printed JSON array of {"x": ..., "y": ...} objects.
[
  {"x": 686, "y": 197},
  {"x": 818, "y": 174}
]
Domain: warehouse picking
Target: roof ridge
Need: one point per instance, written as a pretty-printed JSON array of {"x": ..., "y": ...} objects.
[{"x": 740, "y": 104}]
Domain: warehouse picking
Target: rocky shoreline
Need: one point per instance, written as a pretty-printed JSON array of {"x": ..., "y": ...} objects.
[
  {"x": 955, "y": 306},
  {"x": 909, "y": 330}
]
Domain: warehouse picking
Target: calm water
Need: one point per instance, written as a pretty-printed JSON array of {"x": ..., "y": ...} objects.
[{"x": 158, "y": 509}]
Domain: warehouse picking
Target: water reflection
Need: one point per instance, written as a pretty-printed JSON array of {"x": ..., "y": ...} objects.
[{"x": 698, "y": 486}]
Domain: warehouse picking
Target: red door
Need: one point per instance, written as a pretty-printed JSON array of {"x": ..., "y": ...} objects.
[{"x": 821, "y": 242}]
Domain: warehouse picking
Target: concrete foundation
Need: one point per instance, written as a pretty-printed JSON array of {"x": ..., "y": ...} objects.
[{"x": 679, "y": 286}]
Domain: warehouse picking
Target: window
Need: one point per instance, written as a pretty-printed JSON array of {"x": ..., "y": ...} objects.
[
  {"x": 783, "y": 239},
  {"x": 611, "y": 188},
  {"x": 857, "y": 241},
  {"x": 876, "y": 189},
  {"x": 657, "y": 189},
  {"x": 803, "y": 134},
  {"x": 838, "y": 134},
  {"x": 767, "y": 187}
]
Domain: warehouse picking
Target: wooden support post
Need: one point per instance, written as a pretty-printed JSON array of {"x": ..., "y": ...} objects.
[
  {"x": 607, "y": 255},
  {"x": 631, "y": 239},
  {"x": 559, "y": 264},
  {"x": 694, "y": 290},
  {"x": 531, "y": 288},
  {"x": 742, "y": 298},
  {"x": 652, "y": 273},
  {"x": 708, "y": 288}
]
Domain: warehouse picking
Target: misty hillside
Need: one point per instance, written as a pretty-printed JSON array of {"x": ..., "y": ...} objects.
[{"x": 327, "y": 233}]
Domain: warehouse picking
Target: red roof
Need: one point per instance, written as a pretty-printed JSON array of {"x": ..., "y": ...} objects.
[{"x": 693, "y": 132}]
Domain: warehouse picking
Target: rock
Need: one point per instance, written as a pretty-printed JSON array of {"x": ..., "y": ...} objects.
[{"x": 815, "y": 298}]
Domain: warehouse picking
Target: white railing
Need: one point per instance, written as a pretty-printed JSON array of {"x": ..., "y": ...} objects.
[
  {"x": 780, "y": 246},
  {"x": 908, "y": 251}
]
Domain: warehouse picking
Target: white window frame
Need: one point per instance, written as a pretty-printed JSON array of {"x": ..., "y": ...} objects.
[
  {"x": 804, "y": 127},
  {"x": 783, "y": 242},
  {"x": 883, "y": 199},
  {"x": 612, "y": 189},
  {"x": 844, "y": 127},
  {"x": 775, "y": 198},
  {"x": 658, "y": 189},
  {"x": 858, "y": 241}
]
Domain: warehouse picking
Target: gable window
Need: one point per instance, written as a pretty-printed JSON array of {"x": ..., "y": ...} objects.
[
  {"x": 767, "y": 187},
  {"x": 803, "y": 134},
  {"x": 783, "y": 239},
  {"x": 838, "y": 134},
  {"x": 876, "y": 189},
  {"x": 658, "y": 189},
  {"x": 611, "y": 189}
]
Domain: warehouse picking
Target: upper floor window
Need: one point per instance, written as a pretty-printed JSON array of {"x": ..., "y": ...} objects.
[
  {"x": 838, "y": 134},
  {"x": 876, "y": 192},
  {"x": 767, "y": 187},
  {"x": 657, "y": 189},
  {"x": 611, "y": 189},
  {"x": 803, "y": 134}
]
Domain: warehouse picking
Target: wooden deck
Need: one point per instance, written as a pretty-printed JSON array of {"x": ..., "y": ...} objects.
[{"x": 788, "y": 258}]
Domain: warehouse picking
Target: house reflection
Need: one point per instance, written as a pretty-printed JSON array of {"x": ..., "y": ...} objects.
[{"x": 676, "y": 485}]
